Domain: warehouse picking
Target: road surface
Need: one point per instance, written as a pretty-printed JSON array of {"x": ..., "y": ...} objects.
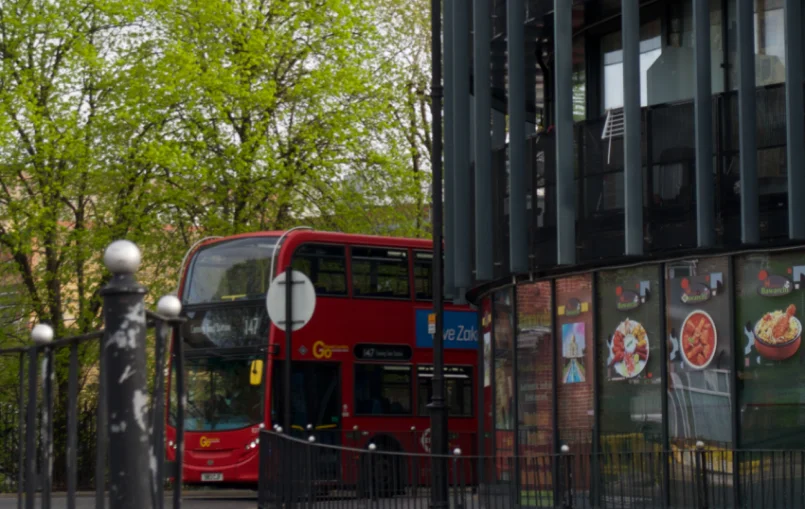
[{"x": 246, "y": 500}]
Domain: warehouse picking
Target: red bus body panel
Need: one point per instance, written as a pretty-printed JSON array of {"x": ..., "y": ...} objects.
[{"x": 337, "y": 325}]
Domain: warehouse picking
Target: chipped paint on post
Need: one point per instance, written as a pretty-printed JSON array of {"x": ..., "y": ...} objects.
[{"x": 127, "y": 400}]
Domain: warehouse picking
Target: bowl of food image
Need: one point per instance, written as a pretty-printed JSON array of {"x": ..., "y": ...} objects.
[
  {"x": 698, "y": 339},
  {"x": 629, "y": 348},
  {"x": 778, "y": 334}
]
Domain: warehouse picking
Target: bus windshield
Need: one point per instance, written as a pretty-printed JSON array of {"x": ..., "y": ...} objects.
[
  {"x": 233, "y": 270},
  {"x": 219, "y": 394}
]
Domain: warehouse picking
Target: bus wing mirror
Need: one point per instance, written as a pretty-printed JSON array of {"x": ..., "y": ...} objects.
[{"x": 256, "y": 372}]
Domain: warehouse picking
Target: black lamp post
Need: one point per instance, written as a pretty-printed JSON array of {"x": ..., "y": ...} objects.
[{"x": 439, "y": 495}]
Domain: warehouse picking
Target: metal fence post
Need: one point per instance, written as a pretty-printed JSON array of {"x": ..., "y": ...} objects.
[
  {"x": 458, "y": 491},
  {"x": 309, "y": 467},
  {"x": 21, "y": 433},
  {"x": 168, "y": 307},
  {"x": 30, "y": 433},
  {"x": 124, "y": 346},
  {"x": 567, "y": 474},
  {"x": 701, "y": 476},
  {"x": 41, "y": 334},
  {"x": 370, "y": 473},
  {"x": 47, "y": 426}
]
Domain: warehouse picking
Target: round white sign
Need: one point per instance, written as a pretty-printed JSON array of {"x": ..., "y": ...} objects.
[
  {"x": 425, "y": 440},
  {"x": 303, "y": 300}
]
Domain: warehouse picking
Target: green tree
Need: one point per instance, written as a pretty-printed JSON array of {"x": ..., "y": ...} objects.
[
  {"x": 287, "y": 114},
  {"x": 77, "y": 125}
]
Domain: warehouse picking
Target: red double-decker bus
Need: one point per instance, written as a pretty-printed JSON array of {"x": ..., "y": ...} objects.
[{"x": 361, "y": 368}]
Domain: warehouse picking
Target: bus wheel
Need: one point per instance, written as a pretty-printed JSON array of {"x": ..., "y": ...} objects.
[
  {"x": 387, "y": 477},
  {"x": 382, "y": 476}
]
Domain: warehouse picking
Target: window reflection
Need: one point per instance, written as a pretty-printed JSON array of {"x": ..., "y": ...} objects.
[
  {"x": 769, "y": 25},
  {"x": 650, "y": 51}
]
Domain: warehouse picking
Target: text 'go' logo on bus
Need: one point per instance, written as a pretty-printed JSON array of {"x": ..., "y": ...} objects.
[
  {"x": 205, "y": 441},
  {"x": 321, "y": 350}
]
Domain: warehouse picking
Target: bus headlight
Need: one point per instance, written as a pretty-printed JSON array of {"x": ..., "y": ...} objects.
[{"x": 253, "y": 444}]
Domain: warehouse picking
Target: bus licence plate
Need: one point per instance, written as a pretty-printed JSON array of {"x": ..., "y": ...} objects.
[{"x": 207, "y": 477}]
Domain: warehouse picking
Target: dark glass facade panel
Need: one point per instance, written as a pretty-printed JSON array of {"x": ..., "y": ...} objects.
[
  {"x": 503, "y": 347},
  {"x": 534, "y": 368},
  {"x": 629, "y": 358},
  {"x": 575, "y": 364},
  {"x": 770, "y": 302},
  {"x": 698, "y": 331}
]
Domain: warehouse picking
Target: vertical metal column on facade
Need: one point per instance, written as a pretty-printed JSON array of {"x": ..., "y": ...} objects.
[
  {"x": 484, "y": 264},
  {"x": 633, "y": 170},
  {"x": 747, "y": 115},
  {"x": 462, "y": 213},
  {"x": 565, "y": 186},
  {"x": 449, "y": 90},
  {"x": 518, "y": 215},
  {"x": 795, "y": 134},
  {"x": 703, "y": 117}
]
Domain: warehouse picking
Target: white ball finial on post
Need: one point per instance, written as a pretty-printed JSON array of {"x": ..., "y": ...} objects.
[
  {"x": 122, "y": 257},
  {"x": 169, "y": 306},
  {"x": 42, "y": 334}
]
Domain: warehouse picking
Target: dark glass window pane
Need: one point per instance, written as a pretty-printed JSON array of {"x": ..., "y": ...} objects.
[
  {"x": 231, "y": 270},
  {"x": 458, "y": 384},
  {"x": 629, "y": 363},
  {"x": 699, "y": 359},
  {"x": 423, "y": 275},
  {"x": 382, "y": 389},
  {"x": 325, "y": 265},
  {"x": 769, "y": 304},
  {"x": 380, "y": 272}
]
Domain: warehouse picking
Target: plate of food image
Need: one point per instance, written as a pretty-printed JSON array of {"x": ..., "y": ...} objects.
[
  {"x": 698, "y": 339},
  {"x": 778, "y": 334},
  {"x": 629, "y": 349}
]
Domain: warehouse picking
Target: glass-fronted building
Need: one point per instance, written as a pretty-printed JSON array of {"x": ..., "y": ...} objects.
[{"x": 624, "y": 204}]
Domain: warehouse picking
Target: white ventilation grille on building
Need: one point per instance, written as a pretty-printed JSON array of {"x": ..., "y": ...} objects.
[{"x": 614, "y": 127}]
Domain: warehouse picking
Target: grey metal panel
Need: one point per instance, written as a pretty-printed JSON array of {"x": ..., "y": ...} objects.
[
  {"x": 461, "y": 150},
  {"x": 795, "y": 116},
  {"x": 484, "y": 263},
  {"x": 703, "y": 120},
  {"x": 565, "y": 187},
  {"x": 747, "y": 141},
  {"x": 449, "y": 156},
  {"x": 518, "y": 215},
  {"x": 633, "y": 171}
]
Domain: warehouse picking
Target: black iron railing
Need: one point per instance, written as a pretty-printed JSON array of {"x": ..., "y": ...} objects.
[
  {"x": 299, "y": 473},
  {"x": 82, "y": 412}
]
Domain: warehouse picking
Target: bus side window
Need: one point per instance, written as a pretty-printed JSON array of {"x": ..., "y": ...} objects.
[
  {"x": 382, "y": 390},
  {"x": 380, "y": 273},
  {"x": 458, "y": 389},
  {"x": 325, "y": 265},
  {"x": 423, "y": 281}
]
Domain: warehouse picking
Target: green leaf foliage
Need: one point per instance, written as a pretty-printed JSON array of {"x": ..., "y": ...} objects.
[{"x": 164, "y": 121}]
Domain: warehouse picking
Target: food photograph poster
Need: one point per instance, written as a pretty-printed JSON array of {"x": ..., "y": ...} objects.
[
  {"x": 629, "y": 318},
  {"x": 698, "y": 316},
  {"x": 698, "y": 332},
  {"x": 770, "y": 306},
  {"x": 629, "y": 311}
]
